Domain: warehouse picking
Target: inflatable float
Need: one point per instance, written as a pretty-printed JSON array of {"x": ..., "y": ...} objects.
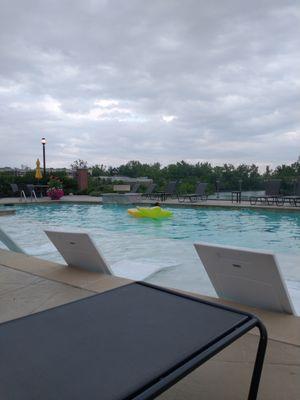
[{"x": 149, "y": 212}]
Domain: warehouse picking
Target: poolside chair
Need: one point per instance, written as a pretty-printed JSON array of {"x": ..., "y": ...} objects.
[
  {"x": 170, "y": 191},
  {"x": 294, "y": 200},
  {"x": 18, "y": 191},
  {"x": 79, "y": 250},
  {"x": 9, "y": 243},
  {"x": 135, "y": 187},
  {"x": 198, "y": 195},
  {"x": 149, "y": 190},
  {"x": 272, "y": 194},
  {"x": 246, "y": 276}
]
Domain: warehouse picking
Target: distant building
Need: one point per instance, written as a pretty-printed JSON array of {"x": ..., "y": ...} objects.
[
  {"x": 15, "y": 171},
  {"x": 126, "y": 179},
  {"x": 7, "y": 169}
]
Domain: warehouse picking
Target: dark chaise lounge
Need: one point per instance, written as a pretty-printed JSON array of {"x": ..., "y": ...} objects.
[
  {"x": 135, "y": 187},
  {"x": 19, "y": 192},
  {"x": 170, "y": 191},
  {"x": 294, "y": 200},
  {"x": 198, "y": 195},
  {"x": 149, "y": 190},
  {"x": 272, "y": 194},
  {"x": 132, "y": 342}
]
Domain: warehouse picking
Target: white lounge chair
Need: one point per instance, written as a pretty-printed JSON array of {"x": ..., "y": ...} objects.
[
  {"x": 246, "y": 276},
  {"x": 79, "y": 250},
  {"x": 9, "y": 243}
]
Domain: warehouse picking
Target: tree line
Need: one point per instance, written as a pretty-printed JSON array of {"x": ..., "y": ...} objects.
[{"x": 224, "y": 178}]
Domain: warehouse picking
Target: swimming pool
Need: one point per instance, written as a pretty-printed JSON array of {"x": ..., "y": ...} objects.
[{"x": 162, "y": 251}]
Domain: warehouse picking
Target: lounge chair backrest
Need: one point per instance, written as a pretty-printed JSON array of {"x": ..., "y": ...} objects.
[
  {"x": 246, "y": 276},
  {"x": 79, "y": 250},
  {"x": 150, "y": 188},
  {"x": 171, "y": 187},
  {"x": 14, "y": 187},
  {"x": 30, "y": 187},
  {"x": 135, "y": 187},
  {"x": 200, "y": 189},
  {"x": 272, "y": 187}
]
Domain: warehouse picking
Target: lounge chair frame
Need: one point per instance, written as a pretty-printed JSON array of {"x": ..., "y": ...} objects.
[
  {"x": 198, "y": 195},
  {"x": 230, "y": 325},
  {"x": 272, "y": 194},
  {"x": 170, "y": 191},
  {"x": 149, "y": 191}
]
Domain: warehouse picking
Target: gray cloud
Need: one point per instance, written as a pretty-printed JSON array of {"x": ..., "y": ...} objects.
[{"x": 111, "y": 81}]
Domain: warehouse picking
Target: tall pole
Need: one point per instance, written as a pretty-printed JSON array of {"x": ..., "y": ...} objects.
[
  {"x": 217, "y": 184},
  {"x": 43, "y": 141}
]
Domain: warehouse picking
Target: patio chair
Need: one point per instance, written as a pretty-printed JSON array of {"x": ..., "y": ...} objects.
[
  {"x": 135, "y": 187},
  {"x": 246, "y": 276},
  {"x": 79, "y": 251},
  {"x": 153, "y": 337},
  {"x": 18, "y": 192},
  {"x": 149, "y": 190},
  {"x": 294, "y": 199},
  {"x": 170, "y": 191},
  {"x": 198, "y": 195},
  {"x": 272, "y": 194},
  {"x": 31, "y": 192}
]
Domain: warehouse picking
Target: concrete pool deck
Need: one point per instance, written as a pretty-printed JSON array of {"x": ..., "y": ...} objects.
[
  {"x": 29, "y": 284},
  {"x": 9, "y": 201}
]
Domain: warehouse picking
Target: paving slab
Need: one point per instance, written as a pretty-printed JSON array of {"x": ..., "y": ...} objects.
[
  {"x": 26, "y": 263},
  {"x": 87, "y": 280},
  {"x": 22, "y": 294},
  {"x": 227, "y": 375},
  {"x": 11, "y": 280}
]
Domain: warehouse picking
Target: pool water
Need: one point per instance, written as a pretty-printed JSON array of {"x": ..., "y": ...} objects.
[{"x": 161, "y": 251}]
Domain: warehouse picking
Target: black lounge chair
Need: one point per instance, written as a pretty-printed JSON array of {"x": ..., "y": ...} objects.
[
  {"x": 272, "y": 194},
  {"x": 18, "y": 192},
  {"x": 170, "y": 191},
  {"x": 135, "y": 187},
  {"x": 149, "y": 191},
  {"x": 198, "y": 195},
  {"x": 294, "y": 200},
  {"x": 132, "y": 342}
]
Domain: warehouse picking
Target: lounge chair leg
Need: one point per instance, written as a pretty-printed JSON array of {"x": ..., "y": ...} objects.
[{"x": 259, "y": 361}]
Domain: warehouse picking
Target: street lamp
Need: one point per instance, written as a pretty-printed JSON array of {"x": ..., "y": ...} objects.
[
  {"x": 43, "y": 141},
  {"x": 218, "y": 187}
]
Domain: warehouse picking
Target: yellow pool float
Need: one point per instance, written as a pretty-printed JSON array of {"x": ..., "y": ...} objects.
[{"x": 149, "y": 212}]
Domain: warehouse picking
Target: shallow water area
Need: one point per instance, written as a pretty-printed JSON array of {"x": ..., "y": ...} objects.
[{"x": 161, "y": 251}]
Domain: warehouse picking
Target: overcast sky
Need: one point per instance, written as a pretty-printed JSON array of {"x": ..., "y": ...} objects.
[{"x": 110, "y": 81}]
